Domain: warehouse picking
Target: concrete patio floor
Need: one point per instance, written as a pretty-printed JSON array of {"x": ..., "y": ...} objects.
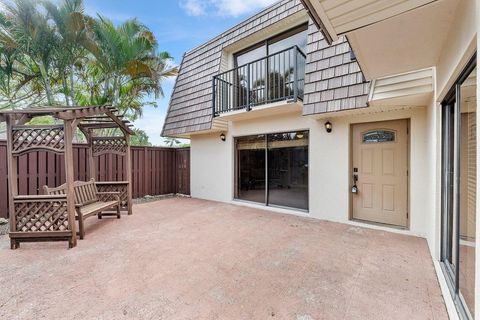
[{"x": 193, "y": 259}]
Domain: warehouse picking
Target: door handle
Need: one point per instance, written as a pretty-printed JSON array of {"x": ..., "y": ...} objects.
[{"x": 354, "y": 186}]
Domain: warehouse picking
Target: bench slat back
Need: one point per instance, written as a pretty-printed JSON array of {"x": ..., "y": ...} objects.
[{"x": 85, "y": 192}]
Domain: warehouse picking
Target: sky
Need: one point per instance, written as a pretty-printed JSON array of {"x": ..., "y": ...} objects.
[{"x": 179, "y": 25}]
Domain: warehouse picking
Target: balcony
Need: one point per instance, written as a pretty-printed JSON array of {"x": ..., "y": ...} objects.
[{"x": 275, "y": 78}]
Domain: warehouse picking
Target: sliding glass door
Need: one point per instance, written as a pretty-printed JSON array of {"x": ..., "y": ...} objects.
[
  {"x": 251, "y": 176},
  {"x": 459, "y": 189},
  {"x": 288, "y": 169},
  {"x": 467, "y": 190},
  {"x": 273, "y": 169}
]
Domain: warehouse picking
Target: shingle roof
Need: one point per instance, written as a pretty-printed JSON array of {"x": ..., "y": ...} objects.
[
  {"x": 333, "y": 82},
  {"x": 333, "y": 79}
]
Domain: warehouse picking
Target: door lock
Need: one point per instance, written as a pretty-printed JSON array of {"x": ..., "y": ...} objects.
[{"x": 354, "y": 187}]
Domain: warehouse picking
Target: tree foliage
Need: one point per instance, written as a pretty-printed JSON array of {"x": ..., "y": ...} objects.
[
  {"x": 140, "y": 138},
  {"x": 53, "y": 53}
]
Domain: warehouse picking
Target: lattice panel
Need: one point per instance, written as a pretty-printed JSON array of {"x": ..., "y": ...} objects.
[
  {"x": 122, "y": 188},
  {"x": 41, "y": 216},
  {"x": 27, "y": 138},
  {"x": 109, "y": 145}
]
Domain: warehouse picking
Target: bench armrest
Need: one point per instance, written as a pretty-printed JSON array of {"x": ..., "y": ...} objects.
[{"x": 109, "y": 195}]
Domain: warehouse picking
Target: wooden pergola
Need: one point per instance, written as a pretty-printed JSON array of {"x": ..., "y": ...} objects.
[{"x": 52, "y": 217}]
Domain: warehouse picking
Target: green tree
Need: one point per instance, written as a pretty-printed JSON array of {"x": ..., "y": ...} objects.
[
  {"x": 72, "y": 30},
  {"x": 128, "y": 59},
  {"x": 172, "y": 142},
  {"x": 140, "y": 138},
  {"x": 34, "y": 37},
  {"x": 53, "y": 53}
]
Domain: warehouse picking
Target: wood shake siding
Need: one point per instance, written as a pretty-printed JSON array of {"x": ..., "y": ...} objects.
[{"x": 333, "y": 81}]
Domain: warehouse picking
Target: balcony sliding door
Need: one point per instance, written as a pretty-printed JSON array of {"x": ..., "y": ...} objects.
[
  {"x": 285, "y": 73},
  {"x": 250, "y": 76},
  {"x": 273, "y": 169},
  {"x": 270, "y": 71},
  {"x": 459, "y": 190}
]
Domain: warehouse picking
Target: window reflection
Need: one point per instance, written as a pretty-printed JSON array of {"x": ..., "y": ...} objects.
[
  {"x": 295, "y": 37},
  {"x": 459, "y": 186},
  {"x": 468, "y": 191},
  {"x": 298, "y": 39},
  {"x": 251, "y": 55},
  {"x": 288, "y": 169}
]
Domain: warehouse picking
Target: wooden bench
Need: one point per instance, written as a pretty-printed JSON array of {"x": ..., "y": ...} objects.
[{"x": 87, "y": 203}]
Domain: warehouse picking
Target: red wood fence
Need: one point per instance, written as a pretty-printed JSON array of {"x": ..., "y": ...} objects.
[{"x": 155, "y": 171}]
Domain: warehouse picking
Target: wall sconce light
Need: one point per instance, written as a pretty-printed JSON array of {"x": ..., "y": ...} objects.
[
  {"x": 222, "y": 137},
  {"x": 328, "y": 126}
]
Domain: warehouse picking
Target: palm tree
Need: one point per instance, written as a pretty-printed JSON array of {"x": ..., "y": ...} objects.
[
  {"x": 51, "y": 50},
  {"x": 12, "y": 79},
  {"x": 171, "y": 142},
  {"x": 127, "y": 57},
  {"x": 72, "y": 29},
  {"x": 34, "y": 37}
]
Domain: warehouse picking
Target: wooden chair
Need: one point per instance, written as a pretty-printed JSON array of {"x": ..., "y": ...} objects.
[{"x": 87, "y": 203}]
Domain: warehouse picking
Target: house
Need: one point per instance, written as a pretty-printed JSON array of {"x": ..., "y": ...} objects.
[{"x": 360, "y": 112}]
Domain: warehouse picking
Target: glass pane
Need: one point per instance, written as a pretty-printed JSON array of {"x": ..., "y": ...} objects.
[
  {"x": 468, "y": 189},
  {"x": 378, "y": 136},
  {"x": 299, "y": 39},
  {"x": 448, "y": 183},
  {"x": 250, "y": 153},
  {"x": 288, "y": 169},
  {"x": 251, "y": 55}
]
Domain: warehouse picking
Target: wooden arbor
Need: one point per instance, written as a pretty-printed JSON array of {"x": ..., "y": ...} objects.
[{"x": 52, "y": 217}]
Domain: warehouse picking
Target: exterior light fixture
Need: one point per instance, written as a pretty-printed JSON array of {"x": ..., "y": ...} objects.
[
  {"x": 222, "y": 137},
  {"x": 328, "y": 126}
]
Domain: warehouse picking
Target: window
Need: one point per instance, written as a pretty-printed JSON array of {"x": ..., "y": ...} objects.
[
  {"x": 376, "y": 136},
  {"x": 459, "y": 183},
  {"x": 251, "y": 55},
  {"x": 295, "y": 37},
  {"x": 270, "y": 71},
  {"x": 273, "y": 169}
]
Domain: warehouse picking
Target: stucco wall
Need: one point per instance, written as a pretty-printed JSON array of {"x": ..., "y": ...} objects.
[
  {"x": 329, "y": 165},
  {"x": 459, "y": 47}
]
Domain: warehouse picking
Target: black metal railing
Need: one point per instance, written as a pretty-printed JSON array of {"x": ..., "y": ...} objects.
[{"x": 276, "y": 77}]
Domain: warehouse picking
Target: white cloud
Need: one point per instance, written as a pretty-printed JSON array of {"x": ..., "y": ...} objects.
[
  {"x": 194, "y": 7},
  {"x": 231, "y": 8}
]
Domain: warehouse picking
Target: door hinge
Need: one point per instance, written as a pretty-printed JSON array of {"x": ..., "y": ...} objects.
[
  {"x": 407, "y": 173},
  {"x": 407, "y": 214}
]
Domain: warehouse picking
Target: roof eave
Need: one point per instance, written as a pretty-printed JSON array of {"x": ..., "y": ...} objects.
[{"x": 319, "y": 17}]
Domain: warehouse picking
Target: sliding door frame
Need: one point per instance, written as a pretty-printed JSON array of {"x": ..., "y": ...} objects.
[
  {"x": 451, "y": 272},
  {"x": 267, "y": 203}
]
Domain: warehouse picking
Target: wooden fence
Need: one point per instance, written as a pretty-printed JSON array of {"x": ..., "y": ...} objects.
[{"x": 155, "y": 171}]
